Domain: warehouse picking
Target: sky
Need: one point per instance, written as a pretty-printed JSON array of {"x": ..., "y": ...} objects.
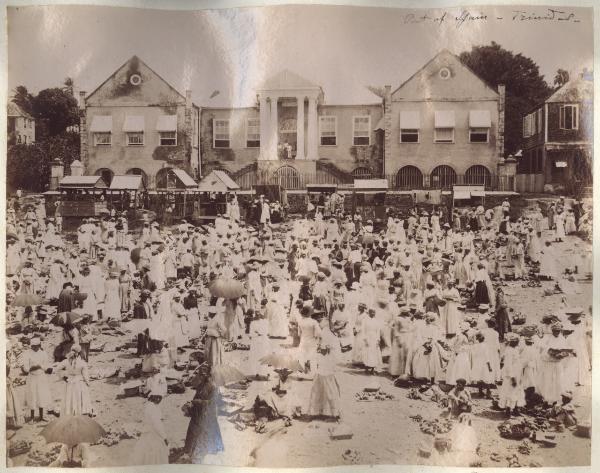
[{"x": 343, "y": 49}]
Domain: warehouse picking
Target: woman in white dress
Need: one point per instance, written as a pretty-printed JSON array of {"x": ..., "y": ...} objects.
[
  {"x": 559, "y": 221},
  {"x": 511, "y": 392},
  {"x": 112, "y": 298},
  {"x": 76, "y": 399},
  {"x": 450, "y": 315},
  {"x": 37, "y": 394},
  {"x": 56, "y": 280},
  {"x": 309, "y": 332},
  {"x": 551, "y": 369},
  {"x": 548, "y": 267}
]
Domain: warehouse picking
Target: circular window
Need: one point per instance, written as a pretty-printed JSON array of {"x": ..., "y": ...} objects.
[
  {"x": 135, "y": 79},
  {"x": 445, "y": 73}
]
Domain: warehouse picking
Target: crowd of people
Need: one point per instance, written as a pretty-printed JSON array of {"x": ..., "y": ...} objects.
[{"x": 421, "y": 301}]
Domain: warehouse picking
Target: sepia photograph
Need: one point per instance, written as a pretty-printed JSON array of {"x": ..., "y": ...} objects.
[{"x": 299, "y": 236}]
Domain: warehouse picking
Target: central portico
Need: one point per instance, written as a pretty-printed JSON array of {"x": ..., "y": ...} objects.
[{"x": 288, "y": 118}]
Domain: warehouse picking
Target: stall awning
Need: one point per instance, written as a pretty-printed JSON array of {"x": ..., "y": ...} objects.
[
  {"x": 166, "y": 123},
  {"x": 128, "y": 182},
  {"x": 184, "y": 177},
  {"x": 133, "y": 123},
  {"x": 101, "y": 124},
  {"x": 410, "y": 120},
  {"x": 480, "y": 119},
  {"x": 217, "y": 181},
  {"x": 462, "y": 194},
  {"x": 380, "y": 125},
  {"x": 82, "y": 182},
  {"x": 371, "y": 184},
  {"x": 560, "y": 164},
  {"x": 444, "y": 119}
]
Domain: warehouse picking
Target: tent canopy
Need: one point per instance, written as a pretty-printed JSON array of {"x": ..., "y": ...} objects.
[
  {"x": 128, "y": 182},
  {"x": 184, "y": 178},
  {"x": 217, "y": 181},
  {"x": 371, "y": 184},
  {"x": 82, "y": 182}
]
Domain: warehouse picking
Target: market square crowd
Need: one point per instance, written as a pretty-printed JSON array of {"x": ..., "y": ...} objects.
[{"x": 417, "y": 298}]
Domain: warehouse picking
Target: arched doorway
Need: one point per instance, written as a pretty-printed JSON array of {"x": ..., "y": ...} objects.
[
  {"x": 139, "y": 172},
  {"x": 165, "y": 179},
  {"x": 443, "y": 177},
  {"x": 478, "y": 175},
  {"x": 106, "y": 175},
  {"x": 409, "y": 177},
  {"x": 362, "y": 173},
  {"x": 287, "y": 177}
]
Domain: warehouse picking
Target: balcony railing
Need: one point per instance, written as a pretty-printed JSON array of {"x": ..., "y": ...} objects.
[{"x": 290, "y": 179}]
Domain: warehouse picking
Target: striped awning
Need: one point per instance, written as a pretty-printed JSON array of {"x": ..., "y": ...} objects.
[
  {"x": 480, "y": 119},
  {"x": 101, "y": 124},
  {"x": 410, "y": 120},
  {"x": 444, "y": 119},
  {"x": 166, "y": 123},
  {"x": 133, "y": 123}
]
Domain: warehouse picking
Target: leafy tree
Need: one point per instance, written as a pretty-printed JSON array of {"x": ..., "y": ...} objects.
[
  {"x": 55, "y": 110},
  {"x": 561, "y": 77},
  {"x": 28, "y": 166},
  {"x": 23, "y": 99},
  {"x": 525, "y": 87}
]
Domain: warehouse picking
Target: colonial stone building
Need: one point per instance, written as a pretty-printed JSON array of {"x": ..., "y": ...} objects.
[
  {"x": 136, "y": 123},
  {"x": 557, "y": 139},
  {"x": 21, "y": 126},
  {"x": 441, "y": 127}
]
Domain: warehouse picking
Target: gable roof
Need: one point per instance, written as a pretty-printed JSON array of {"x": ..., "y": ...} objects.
[
  {"x": 15, "y": 111},
  {"x": 450, "y": 55},
  {"x": 576, "y": 90},
  {"x": 82, "y": 181},
  {"x": 127, "y": 182},
  {"x": 217, "y": 181},
  {"x": 133, "y": 59},
  {"x": 287, "y": 79}
]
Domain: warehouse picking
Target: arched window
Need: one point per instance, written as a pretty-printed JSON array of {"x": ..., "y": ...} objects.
[
  {"x": 139, "y": 172},
  {"x": 165, "y": 179},
  {"x": 287, "y": 177},
  {"x": 106, "y": 175},
  {"x": 478, "y": 175},
  {"x": 443, "y": 177},
  {"x": 362, "y": 173},
  {"x": 409, "y": 177}
]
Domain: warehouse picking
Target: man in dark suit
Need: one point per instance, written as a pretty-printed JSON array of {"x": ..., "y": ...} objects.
[{"x": 143, "y": 310}]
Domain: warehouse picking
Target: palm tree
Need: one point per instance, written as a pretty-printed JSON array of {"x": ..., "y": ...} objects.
[
  {"x": 561, "y": 77},
  {"x": 68, "y": 85}
]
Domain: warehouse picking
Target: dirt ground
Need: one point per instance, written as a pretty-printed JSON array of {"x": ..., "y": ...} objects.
[{"x": 383, "y": 431}]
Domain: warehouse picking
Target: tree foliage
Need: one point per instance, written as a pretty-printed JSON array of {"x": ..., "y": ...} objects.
[
  {"x": 525, "y": 87},
  {"x": 28, "y": 166},
  {"x": 561, "y": 77},
  {"x": 23, "y": 99},
  {"x": 55, "y": 110}
]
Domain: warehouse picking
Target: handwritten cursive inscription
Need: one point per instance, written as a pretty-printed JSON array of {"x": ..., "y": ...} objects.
[{"x": 550, "y": 15}]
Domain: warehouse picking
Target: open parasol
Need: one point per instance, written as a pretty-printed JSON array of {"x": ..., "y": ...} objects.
[
  {"x": 281, "y": 361},
  {"x": 73, "y": 430},
  {"x": 24, "y": 300},
  {"x": 11, "y": 236},
  {"x": 227, "y": 288},
  {"x": 226, "y": 374}
]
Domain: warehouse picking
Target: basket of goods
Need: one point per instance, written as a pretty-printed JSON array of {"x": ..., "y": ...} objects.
[
  {"x": 527, "y": 331},
  {"x": 18, "y": 448},
  {"x": 560, "y": 353},
  {"x": 574, "y": 310},
  {"x": 424, "y": 450},
  {"x": 132, "y": 388},
  {"x": 515, "y": 430},
  {"x": 372, "y": 387},
  {"x": 518, "y": 319},
  {"x": 584, "y": 429},
  {"x": 442, "y": 442},
  {"x": 340, "y": 432},
  {"x": 547, "y": 439}
]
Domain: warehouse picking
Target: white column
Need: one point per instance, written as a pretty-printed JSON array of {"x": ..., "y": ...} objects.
[
  {"x": 300, "y": 129},
  {"x": 264, "y": 128},
  {"x": 312, "y": 151},
  {"x": 274, "y": 129}
]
